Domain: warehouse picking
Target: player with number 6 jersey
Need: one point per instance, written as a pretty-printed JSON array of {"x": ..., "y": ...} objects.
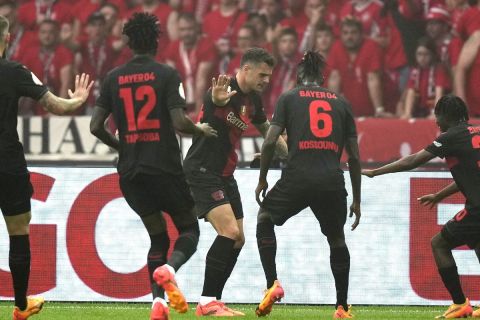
[
  {"x": 319, "y": 125},
  {"x": 147, "y": 102}
]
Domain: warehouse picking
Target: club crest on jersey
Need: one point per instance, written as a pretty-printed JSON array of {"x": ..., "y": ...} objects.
[
  {"x": 218, "y": 195},
  {"x": 236, "y": 121}
]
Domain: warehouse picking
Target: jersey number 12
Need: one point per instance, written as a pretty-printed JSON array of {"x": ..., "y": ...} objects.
[{"x": 142, "y": 93}]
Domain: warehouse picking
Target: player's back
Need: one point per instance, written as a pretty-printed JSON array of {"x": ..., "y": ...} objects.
[
  {"x": 317, "y": 122},
  {"x": 141, "y": 93}
]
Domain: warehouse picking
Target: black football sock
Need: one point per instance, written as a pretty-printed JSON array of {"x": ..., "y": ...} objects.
[
  {"x": 185, "y": 246},
  {"x": 267, "y": 247},
  {"x": 216, "y": 263},
  {"x": 19, "y": 262},
  {"x": 228, "y": 271},
  {"x": 451, "y": 280},
  {"x": 340, "y": 264},
  {"x": 157, "y": 256}
]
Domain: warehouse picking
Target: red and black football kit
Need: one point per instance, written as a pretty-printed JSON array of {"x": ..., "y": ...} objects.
[
  {"x": 140, "y": 95},
  {"x": 460, "y": 146},
  {"x": 210, "y": 162},
  {"x": 15, "y": 188},
  {"x": 318, "y": 123}
]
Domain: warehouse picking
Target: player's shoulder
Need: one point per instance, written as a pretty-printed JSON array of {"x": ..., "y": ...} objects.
[{"x": 8, "y": 65}]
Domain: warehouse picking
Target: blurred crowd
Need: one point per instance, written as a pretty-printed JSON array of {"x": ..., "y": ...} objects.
[{"x": 391, "y": 58}]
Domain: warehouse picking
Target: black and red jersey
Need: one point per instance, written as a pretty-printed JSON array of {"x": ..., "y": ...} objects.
[
  {"x": 15, "y": 81},
  {"x": 460, "y": 146},
  {"x": 140, "y": 95},
  {"x": 218, "y": 155},
  {"x": 318, "y": 122}
]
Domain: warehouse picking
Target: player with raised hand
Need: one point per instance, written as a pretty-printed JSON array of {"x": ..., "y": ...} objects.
[
  {"x": 459, "y": 144},
  {"x": 147, "y": 101},
  {"x": 319, "y": 125}
]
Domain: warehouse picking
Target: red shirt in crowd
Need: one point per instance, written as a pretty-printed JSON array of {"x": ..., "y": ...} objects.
[
  {"x": 59, "y": 11},
  {"x": 472, "y": 89},
  {"x": 469, "y": 22},
  {"x": 47, "y": 66},
  {"x": 215, "y": 25},
  {"x": 354, "y": 73},
  {"x": 369, "y": 14},
  {"x": 162, "y": 12},
  {"x": 84, "y": 9},
  {"x": 20, "y": 43},
  {"x": 424, "y": 81}
]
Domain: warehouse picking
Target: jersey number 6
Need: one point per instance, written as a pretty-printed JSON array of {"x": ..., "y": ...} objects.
[
  {"x": 142, "y": 93},
  {"x": 320, "y": 121}
]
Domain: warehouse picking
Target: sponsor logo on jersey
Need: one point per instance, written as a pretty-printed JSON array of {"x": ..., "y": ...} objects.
[
  {"x": 235, "y": 121},
  {"x": 135, "y": 78},
  {"x": 218, "y": 195}
]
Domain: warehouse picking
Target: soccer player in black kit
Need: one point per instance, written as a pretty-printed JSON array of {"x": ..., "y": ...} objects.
[
  {"x": 319, "y": 125},
  {"x": 229, "y": 106},
  {"x": 459, "y": 144},
  {"x": 147, "y": 102},
  {"x": 15, "y": 188}
]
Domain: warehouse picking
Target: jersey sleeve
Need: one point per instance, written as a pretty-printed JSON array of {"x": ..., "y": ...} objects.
[
  {"x": 104, "y": 101},
  {"x": 279, "y": 116},
  {"x": 175, "y": 92},
  {"x": 441, "y": 146},
  {"x": 259, "y": 116},
  {"x": 27, "y": 84}
]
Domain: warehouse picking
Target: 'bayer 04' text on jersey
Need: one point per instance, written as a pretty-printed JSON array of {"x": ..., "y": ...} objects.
[
  {"x": 15, "y": 81},
  {"x": 218, "y": 155},
  {"x": 140, "y": 95},
  {"x": 318, "y": 123},
  {"x": 460, "y": 146}
]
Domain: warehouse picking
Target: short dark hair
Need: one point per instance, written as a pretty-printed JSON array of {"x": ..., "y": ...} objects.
[
  {"x": 51, "y": 22},
  {"x": 452, "y": 108},
  {"x": 311, "y": 68},
  {"x": 257, "y": 56},
  {"x": 323, "y": 27},
  {"x": 4, "y": 25},
  {"x": 350, "y": 21},
  {"x": 97, "y": 16},
  {"x": 143, "y": 31},
  {"x": 188, "y": 17},
  {"x": 288, "y": 32}
]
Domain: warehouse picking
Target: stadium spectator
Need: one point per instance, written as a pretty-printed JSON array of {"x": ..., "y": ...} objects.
[
  {"x": 428, "y": 82},
  {"x": 469, "y": 21},
  {"x": 356, "y": 70},
  {"x": 457, "y": 9},
  {"x": 368, "y": 12},
  {"x": 273, "y": 11},
  {"x": 194, "y": 56},
  {"x": 312, "y": 177},
  {"x": 16, "y": 189},
  {"x": 32, "y": 13},
  {"x": 164, "y": 14},
  {"x": 246, "y": 39},
  {"x": 51, "y": 62},
  {"x": 462, "y": 156},
  {"x": 151, "y": 176},
  {"x": 260, "y": 23},
  {"x": 21, "y": 39},
  {"x": 210, "y": 164},
  {"x": 285, "y": 70},
  {"x": 222, "y": 25},
  {"x": 323, "y": 41},
  {"x": 96, "y": 54}
]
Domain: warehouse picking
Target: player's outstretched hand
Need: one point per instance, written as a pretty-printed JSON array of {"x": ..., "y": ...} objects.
[
  {"x": 220, "y": 90},
  {"x": 355, "y": 209},
  {"x": 429, "y": 200},
  {"x": 82, "y": 87},
  {"x": 262, "y": 188},
  {"x": 207, "y": 130},
  {"x": 368, "y": 173}
]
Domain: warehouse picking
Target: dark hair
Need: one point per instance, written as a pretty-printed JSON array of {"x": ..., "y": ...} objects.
[
  {"x": 143, "y": 31},
  {"x": 9, "y": 3},
  {"x": 4, "y": 25},
  {"x": 323, "y": 27},
  {"x": 97, "y": 16},
  {"x": 256, "y": 15},
  {"x": 250, "y": 27},
  {"x": 452, "y": 108},
  {"x": 257, "y": 56},
  {"x": 350, "y": 21},
  {"x": 188, "y": 17},
  {"x": 289, "y": 32},
  {"x": 50, "y": 22},
  {"x": 311, "y": 68},
  {"x": 431, "y": 46}
]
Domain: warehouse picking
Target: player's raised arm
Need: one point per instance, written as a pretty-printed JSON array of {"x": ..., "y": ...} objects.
[
  {"x": 61, "y": 106},
  {"x": 184, "y": 124},
  {"x": 221, "y": 93},
  {"x": 404, "y": 164}
]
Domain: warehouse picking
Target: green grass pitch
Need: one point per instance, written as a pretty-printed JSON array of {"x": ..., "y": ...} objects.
[{"x": 134, "y": 311}]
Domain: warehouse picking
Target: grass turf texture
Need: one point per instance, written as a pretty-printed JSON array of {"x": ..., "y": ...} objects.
[{"x": 134, "y": 311}]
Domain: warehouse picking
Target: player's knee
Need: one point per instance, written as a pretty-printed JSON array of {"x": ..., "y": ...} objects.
[
  {"x": 240, "y": 242},
  {"x": 438, "y": 242},
  {"x": 336, "y": 241},
  {"x": 191, "y": 232},
  {"x": 232, "y": 232},
  {"x": 263, "y": 217},
  {"x": 19, "y": 224}
]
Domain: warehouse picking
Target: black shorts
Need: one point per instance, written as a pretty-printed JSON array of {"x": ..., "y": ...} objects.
[
  {"x": 463, "y": 229},
  {"x": 210, "y": 191},
  {"x": 149, "y": 193},
  {"x": 286, "y": 199},
  {"x": 15, "y": 193}
]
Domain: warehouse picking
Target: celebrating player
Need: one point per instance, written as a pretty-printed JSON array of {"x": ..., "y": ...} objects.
[
  {"x": 210, "y": 163},
  {"x": 459, "y": 144},
  {"x": 319, "y": 125},
  {"x": 147, "y": 102},
  {"x": 15, "y": 188}
]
